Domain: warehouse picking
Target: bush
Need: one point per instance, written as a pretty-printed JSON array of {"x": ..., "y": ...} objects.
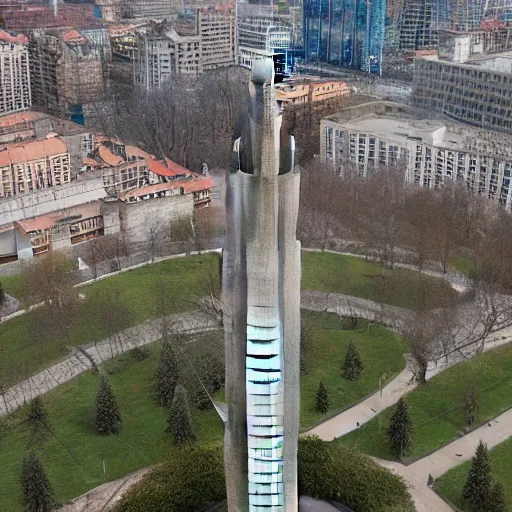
[
  {"x": 180, "y": 424},
  {"x": 167, "y": 374},
  {"x": 322, "y": 399},
  {"x": 327, "y": 471},
  {"x": 400, "y": 430},
  {"x": 140, "y": 353},
  {"x": 330, "y": 471},
  {"x": 191, "y": 477},
  {"x": 38, "y": 421}
]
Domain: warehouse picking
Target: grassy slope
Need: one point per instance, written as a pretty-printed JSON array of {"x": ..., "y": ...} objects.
[
  {"x": 381, "y": 351},
  {"x": 435, "y": 407},
  {"x": 360, "y": 278},
  {"x": 450, "y": 484},
  {"x": 182, "y": 278},
  {"x": 71, "y": 411}
]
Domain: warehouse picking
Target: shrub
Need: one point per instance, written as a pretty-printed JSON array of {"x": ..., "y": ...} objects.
[
  {"x": 38, "y": 421},
  {"x": 470, "y": 406},
  {"x": 108, "y": 417},
  {"x": 330, "y": 471},
  {"x": 140, "y": 353},
  {"x": 191, "y": 477}
]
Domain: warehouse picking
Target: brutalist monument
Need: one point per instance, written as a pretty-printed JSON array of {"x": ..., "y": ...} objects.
[{"x": 261, "y": 303}]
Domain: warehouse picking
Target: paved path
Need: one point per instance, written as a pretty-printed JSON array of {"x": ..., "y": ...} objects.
[
  {"x": 446, "y": 458},
  {"x": 80, "y": 360}
]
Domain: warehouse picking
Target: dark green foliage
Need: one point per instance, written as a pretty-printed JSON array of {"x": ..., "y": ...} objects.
[
  {"x": 400, "y": 430},
  {"x": 191, "y": 477},
  {"x": 353, "y": 365},
  {"x": 211, "y": 370},
  {"x": 498, "y": 502},
  {"x": 200, "y": 398},
  {"x": 180, "y": 424},
  {"x": 140, "y": 353},
  {"x": 478, "y": 486},
  {"x": 194, "y": 476},
  {"x": 167, "y": 374},
  {"x": 108, "y": 417},
  {"x": 322, "y": 399},
  {"x": 470, "y": 406},
  {"x": 37, "y": 493},
  {"x": 2, "y": 294},
  {"x": 330, "y": 471},
  {"x": 38, "y": 421}
]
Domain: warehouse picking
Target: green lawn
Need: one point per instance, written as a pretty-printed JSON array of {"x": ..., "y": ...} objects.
[
  {"x": 22, "y": 355},
  {"x": 450, "y": 485},
  {"x": 355, "y": 276},
  {"x": 435, "y": 407},
  {"x": 11, "y": 285},
  {"x": 74, "y": 462},
  {"x": 381, "y": 351}
]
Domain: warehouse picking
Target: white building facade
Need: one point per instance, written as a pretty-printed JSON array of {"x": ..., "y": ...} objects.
[
  {"x": 15, "y": 94},
  {"x": 430, "y": 152}
]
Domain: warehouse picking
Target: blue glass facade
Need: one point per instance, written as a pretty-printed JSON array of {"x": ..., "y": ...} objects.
[{"x": 347, "y": 33}]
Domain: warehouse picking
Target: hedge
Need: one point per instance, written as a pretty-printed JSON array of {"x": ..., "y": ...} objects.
[{"x": 195, "y": 476}]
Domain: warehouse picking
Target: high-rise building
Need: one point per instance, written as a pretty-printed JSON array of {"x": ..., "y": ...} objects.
[
  {"x": 262, "y": 34},
  {"x": 261, "y": 304},
  {"x": 15, "y": 92},
  {"x": 346, "y": 33},
  {"x": 198, "y": 40},
  {"x": 158, "y": 9}
]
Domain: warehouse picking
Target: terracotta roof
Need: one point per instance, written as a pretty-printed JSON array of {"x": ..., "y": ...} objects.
[
  {"x": 189, "y": 186},
  {"x": 5, "y": 159},
  {"x": 34, "y": 150},
  {"x": 8, "y": 38},
  {"x": 134, "y": 151},
  {"x": 49, "y": 221},
  {"x": 74, "y": 37},
  {"x": 169, "y": 169},
  {"x": 108, "y": 157},
  {"x": 21, "y": 117},
  {"x": 90, "y": 161}
]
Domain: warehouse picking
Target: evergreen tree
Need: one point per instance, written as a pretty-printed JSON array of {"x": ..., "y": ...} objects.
[
  {"x": 498, "y": 502},
  {"x": 37, "y": 493},
  {"x": 108, "y": 417},
  {"x": 400, "y": 430},
  {"x": 167, "y": 375},
  {"x": 470, "y": 406},
  {"x": 38, "y": 421},
  {"x": 180, "y": 424},
  {"x": 478, "y": 487},
  {"x": 353, "y": 365},
  {"x": 322, "y": 398}
]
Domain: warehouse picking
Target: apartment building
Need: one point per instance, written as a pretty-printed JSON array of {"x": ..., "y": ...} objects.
[
  {"x": 15, "y": 94},
  {"x": 309, "y": 90},
  {"x": 33, "y": 165},
  {"x": 261, "y": 34},
  {"x": 155, "y": 9},
  {"x": 67, "y": 70},
  {"x": 197, "y": 41},
  {"x": 430, "y": 152},
  {"x": 478, "y": 92}
]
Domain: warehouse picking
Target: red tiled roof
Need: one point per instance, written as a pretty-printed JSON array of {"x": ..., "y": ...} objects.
[
  {"x": 5, "y": 159},
  {"x": 74, "y": 37},
  {"x": 189, "y": 186},
  {"x": 21, "y": 117},
  {"x": 134, "y": 151},
  {"x": 108, "y": 157},
  {"x": 90, "y": 161},
  {"x": 20, "y": 38},
  {"x": 177, "y": 168},
  {"x": 49, "y": 221},
  {"x": 33, "y": 150}
]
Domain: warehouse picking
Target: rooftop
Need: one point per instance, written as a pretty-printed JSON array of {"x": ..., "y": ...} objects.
[
  {"x": 32, "y": 150},
  {"x": 8, "y": 38}
]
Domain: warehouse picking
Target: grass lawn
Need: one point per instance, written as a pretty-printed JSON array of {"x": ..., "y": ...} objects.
[
  {"x": 355, "y": 276},
  {"x": 435, "y": 407},
  {"x": 74, "y": 462},
  {"x": 11, "y": 285},
  {"x": 21, "y": 355},
  {"x": 450, "y": 484},
  {"x": 381, "y": 351}
]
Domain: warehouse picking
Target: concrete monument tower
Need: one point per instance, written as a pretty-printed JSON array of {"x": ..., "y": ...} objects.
[{"x": 261, "y": 303}]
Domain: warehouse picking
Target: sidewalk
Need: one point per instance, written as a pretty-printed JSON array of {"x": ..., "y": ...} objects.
[{"x": 78, "y": 362}]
